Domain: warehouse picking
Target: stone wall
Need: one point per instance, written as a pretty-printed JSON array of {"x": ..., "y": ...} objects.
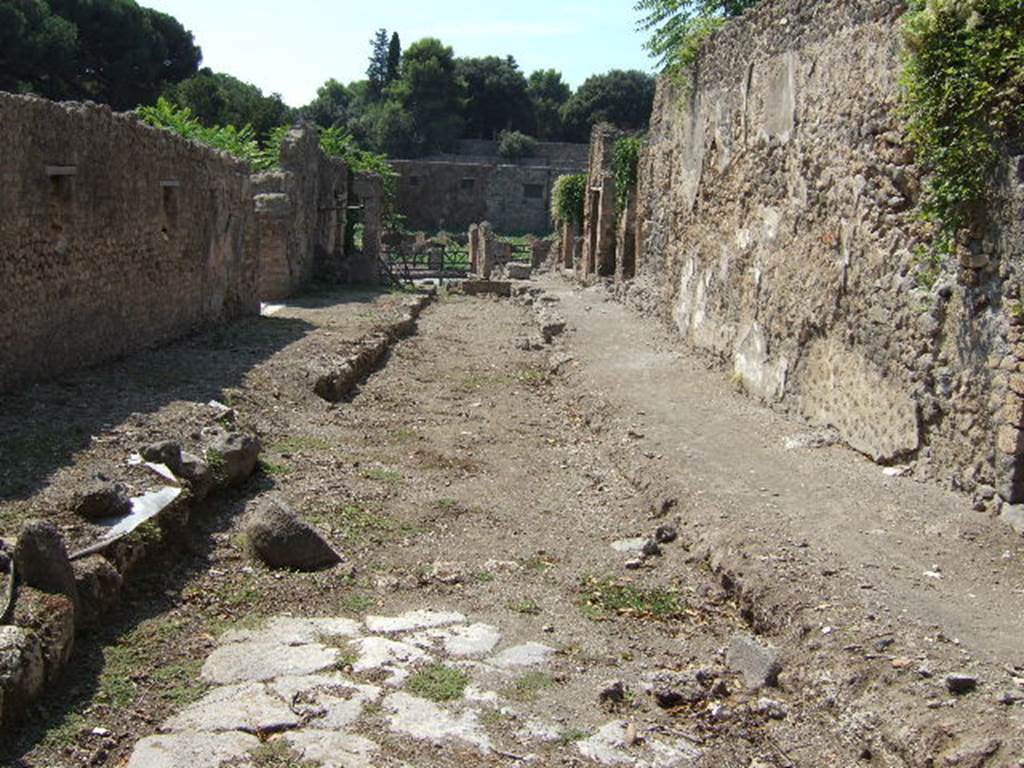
[
  {"x": 436, "y": 195},
  {"x": 115, "y": 236},
  {"x": 599, "y": 213},
  {"x": 554, "y": 153},
  {"x": 300, "y": 214},
  {"x": 777, "y": 230}
]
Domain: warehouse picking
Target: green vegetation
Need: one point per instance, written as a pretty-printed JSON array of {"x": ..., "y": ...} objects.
[
  {"x": 623, "y": 98},
  {"x": 602, "y": 598},
  {"x": 513, "y": 145},
  {"x": 276, "y": 753},
  {"x": 115, "y": 52},
  {"x": 625, "y": 165},
  {"x": 963, "y": 81},
  {"x": 678, "y": 28},
  {"x": 529, "y": 686},
  {"x": 216, "y": 98},
  {"x": 525, "y": 606},
  {"x": 568, "y": 197},
  {"x": 438, "y": 682}
]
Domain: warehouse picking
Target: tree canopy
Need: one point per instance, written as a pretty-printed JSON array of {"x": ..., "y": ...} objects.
[
  {"x": 548, "y": 93},
  {"x": 429, "y": 89},
  {"x": 623, "y": 98},
  {"x": 219, "y": 99},
  {"x": 497, "y": 97},
  {"x": 677, "y": 28},
  {"x": 112, "y": 51}
]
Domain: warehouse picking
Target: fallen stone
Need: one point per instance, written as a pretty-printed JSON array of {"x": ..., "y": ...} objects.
[
  {"x": 42, "y": 560},
  {"x": 191, "y": 750},
  {"x": 630, "y": 546},
  {"x": 248, "y": 707},
  {"x": 232, "y": 457},
  {"x": 634, "y": 564},
  {"x": 959, "y": 684},
  {"x": 651, "y": 548},
  {"x": 673, "y": 689},
  {"x": 1013, "y": 516},
  {"x": 518, "y": 271},
  {"x": 166, "y": 452},
  {"x": 666, "y": 534},
  {"x": 551, "y": 326},
  {"x": 478, "y": 287},
  {"x": 22, "y": 671},
  {"x": 612, "y": 692},
  {"x": 197, "y": 474},
  {"x": 758, "y": 664},
  {"x": 253, "y": 662},
  {"x": 101, "y": 501},
  {"x": 98, "y": 585},
  {"x": 281, "y": 540},
  {"x": 770, "y": 708},
  {"x": 52, "y": 618}
]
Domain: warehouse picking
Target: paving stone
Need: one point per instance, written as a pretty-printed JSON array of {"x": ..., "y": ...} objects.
[
  {"x": 332, "y": 749},
  {"x": 460, "y": 640},
  {"x": 248, "y": 707},
  {"x": 525, "y": 655},
  {"x": 191, "y": 750},
  {"x": 609, "y": 746},
  {"x": 424, "y": 720},
  {"x": 390, "y": 655},
  {"x": 325, "y": 702},
  {"x": 413, "y": 620},
  {"x": 254, "y": 661}
]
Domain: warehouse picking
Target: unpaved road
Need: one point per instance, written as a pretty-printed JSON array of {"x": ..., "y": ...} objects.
[{"x": 486, "y": 483}]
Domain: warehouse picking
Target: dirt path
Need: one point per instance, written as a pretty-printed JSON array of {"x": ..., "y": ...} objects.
[{"x": 487, "y": 495}]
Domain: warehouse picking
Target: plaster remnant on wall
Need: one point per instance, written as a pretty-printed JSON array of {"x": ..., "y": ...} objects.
[
  {"x": 753, "y": 366},
  {"x": 840, "y": 388}
]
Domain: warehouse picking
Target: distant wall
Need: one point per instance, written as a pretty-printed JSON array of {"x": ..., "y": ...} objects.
[
  {"x": 554, "y": 153},
  {"x": 778, "y": 230},
  {"x": 114, "y": 236}
]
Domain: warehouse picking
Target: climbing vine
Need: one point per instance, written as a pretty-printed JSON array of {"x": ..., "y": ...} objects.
[
  {"x": 625, "y": 165},
  {"x": 568, "y": 197},
  {"x": 963, "y": 84}
]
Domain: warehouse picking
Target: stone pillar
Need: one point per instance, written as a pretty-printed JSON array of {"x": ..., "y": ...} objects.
[
  {"x": 488, "y": 250},
  {"x": 625, "y": 242},
  {"x": 365, "y": 266},
  {"x": 570, "y": 234},
  {"x": 474, "y": 248},
  {"x": 273, "y": 225}
]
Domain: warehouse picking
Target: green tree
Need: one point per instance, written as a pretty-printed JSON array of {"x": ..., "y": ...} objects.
[
  {"x": 677, "y": 28},
  {"x": 387, "y": 128},
  {"x": 215, "y": 98},
  {"x": 548, "y": 93},
  {"x": 496, "y": 97},
  {"x": 623, "y": 98},
  {"x": 38, "y": 50},
  {"x": 430, "y": 91},
  {"x": 377, "y": 72},
  {"x": 112, "y": 51},
  {"x": 394, "y": 59},
  {"x": 331, "y": 106}
]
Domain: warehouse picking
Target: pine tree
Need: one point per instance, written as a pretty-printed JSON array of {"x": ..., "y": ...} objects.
[
  {"x": 394, "y": 59},
  {"x": 377, "y": 72}
]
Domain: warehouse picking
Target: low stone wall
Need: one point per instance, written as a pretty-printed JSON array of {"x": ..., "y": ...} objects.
[
  {"x": 778, "y": 230},
  {"x": 115, "y": 236}
]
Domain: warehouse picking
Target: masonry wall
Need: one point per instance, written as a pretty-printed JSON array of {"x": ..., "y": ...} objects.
[
  {"x": 114, "y": 236},
  {"x": 300, "y": 216},
  {"x": 777, "y": 230}
]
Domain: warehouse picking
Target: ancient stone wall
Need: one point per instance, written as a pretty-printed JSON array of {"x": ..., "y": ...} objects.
[
  {"x": 115, "y": 236},
  {"x": 553, "y": 153},
  {"x": 300, "y": 214},
  {"x": 599, "y": 213},
  {"x": 777, "y": 230}
]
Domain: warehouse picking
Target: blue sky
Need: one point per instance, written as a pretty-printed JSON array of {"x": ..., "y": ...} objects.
[{"x": 292, "y": 47}]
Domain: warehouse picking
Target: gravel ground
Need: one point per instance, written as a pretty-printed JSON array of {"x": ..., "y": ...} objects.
[{"x": 483, "y": 474}]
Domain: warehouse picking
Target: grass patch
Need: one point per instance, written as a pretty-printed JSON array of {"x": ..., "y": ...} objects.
[
  {"x": 360, "y": 526},
  {"x": 347, "y": 655},
  {"x": 528, "y": 607},
  {"x": 603, "y": 598},
  {"x": 529, "y": 686},
  {"x": 571, "y": 735},
  {"x": 270, "y": 468},
  {"x": 438, "y": 682},
  {"x": 533, "y": 377},
  {"x": 297, "y": 443},
  {"x": 354, "y": 602},
  {"x": 278, "y": 754},
  {"x": 386, "y": 476}
]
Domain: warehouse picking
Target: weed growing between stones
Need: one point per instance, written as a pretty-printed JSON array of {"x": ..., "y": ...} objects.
[
  {"x": 603, "y": 598},
  {"x": 277, "y": 754},
  {"x": 438, "y": 682},
  {"x": 529, "y": 686}
]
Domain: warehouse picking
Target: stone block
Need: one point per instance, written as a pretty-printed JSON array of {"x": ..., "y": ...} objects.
[{"x": 758, "y": 664}]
